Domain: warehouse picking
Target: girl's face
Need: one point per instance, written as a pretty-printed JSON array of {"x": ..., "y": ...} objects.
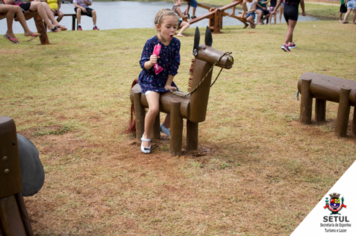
[
  {"x": 179, "y": 2},
  {"x": 167, "y": 29}
]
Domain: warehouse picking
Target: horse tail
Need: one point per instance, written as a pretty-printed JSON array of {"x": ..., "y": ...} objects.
[{"x": 132, "y": 123}]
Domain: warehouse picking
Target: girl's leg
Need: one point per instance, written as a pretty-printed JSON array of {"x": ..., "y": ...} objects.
[
  {"x": 60, "y": 16},
  {"x": 280, "y": 14},
  {"x": 244, "y": 8},
  {"x": 347, "y": 15},
  {"x": 153, "y": 109},
  {"x": 354, "y": 16},
  {"x": 185, "y": 25},
  {"x": 194, "y": 9},
  {"x": 21, "y": 18},
  {"x": 275, "y": 18},
  {"x": 38, "y": 6},
  {"x": 291, "y": 26},
  {"x": 50, "y": 14},
  {"x": 233, "y": 11},
  {"x": 10, "y": 12},
  {"x": 167, "y": 121}
]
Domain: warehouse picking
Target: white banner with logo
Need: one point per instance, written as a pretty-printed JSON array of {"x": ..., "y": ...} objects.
[{"x": 335, "y": 214}]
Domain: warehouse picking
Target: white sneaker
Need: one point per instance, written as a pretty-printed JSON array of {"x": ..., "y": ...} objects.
[
  {"x": 143, "y": 149},
  {"x": 165, "y": 130}
]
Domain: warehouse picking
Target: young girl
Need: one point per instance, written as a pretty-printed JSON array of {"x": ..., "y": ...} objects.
[
  {"x": 181, "y": 24},
  {"x": 291, "y": 17},
  {"x": 152, "y": 84}
]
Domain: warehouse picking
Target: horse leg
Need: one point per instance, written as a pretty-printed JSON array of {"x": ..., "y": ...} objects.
[
  {"x": 175, "y": 148},
  {"x": 140, "y": 116},
  {"x": 192, "y": 135}
]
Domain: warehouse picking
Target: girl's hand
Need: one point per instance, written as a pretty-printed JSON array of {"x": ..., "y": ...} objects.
[
  {"x": 303, "y": 13},
  {"x": 153, "y": 59},
  {"x": 169, "y": 87}
]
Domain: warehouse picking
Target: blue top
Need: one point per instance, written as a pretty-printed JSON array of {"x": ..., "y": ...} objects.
[{"x": 169, "y": 60}]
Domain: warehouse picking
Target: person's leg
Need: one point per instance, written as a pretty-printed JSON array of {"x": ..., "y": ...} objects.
[
  {"x": 50, "y": 15},
  {"x": 244, "y": 7},
  {"x": 60, "y": 16},
  {"x": 188, "y": 7},
  {"x": 233, "y": 11},
  {"x": 251, "y": 21},
  {"x": 347, "y": 15},
  {"x": 280, "y": 14},
  {"x": 354, "y": 16},
  {"x": 184, "y": 25},
  {"x": 94, "y": 16},
  {"x": 194, "y": 10},
  {"x": 167, "y": 121},
  {"x": 10, "y": 12},
  {"x": 289, "y": 36},
  {"x": 79, "y": 15},
  {"x": 259, "y": 16},
  {"x": 153, "y": 109},
  {"x": 41, "y": 10}
]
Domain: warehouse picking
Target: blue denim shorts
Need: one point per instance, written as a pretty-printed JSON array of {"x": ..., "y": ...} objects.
[
  {"x": 351, "y": 4},
  {"x": 193, "y": 3},
  {"x": 252, "y": 14}
]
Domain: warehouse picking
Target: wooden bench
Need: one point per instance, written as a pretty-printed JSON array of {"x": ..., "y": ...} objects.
[
  {"x": 327, "y": 88},
  {"x": 74, "y": 17}
]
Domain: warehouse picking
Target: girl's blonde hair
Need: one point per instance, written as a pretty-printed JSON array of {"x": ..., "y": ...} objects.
[{"x": 162, "y": 13}]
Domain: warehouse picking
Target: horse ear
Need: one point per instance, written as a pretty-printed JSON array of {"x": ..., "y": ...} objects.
[
  {"x": 196, "y": 42},
  {"x": 208, "y": 37}
]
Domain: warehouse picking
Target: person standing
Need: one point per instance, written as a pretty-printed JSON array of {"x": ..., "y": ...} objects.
[
  {"x": 82, "y": 8},
  {"x": 194, "y": 5},
  {"x": 343, "y": 9},
  {"x": 291, "y": 16},
  {"x": 351, "y": 6}
]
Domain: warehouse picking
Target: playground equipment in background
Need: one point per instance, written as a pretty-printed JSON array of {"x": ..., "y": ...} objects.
[
  {"x": 215, "y": 16},
  {"x": 191, "y": 106},
  {"x": 21, "y": 174},
  {"x": 327, "y": 88}
]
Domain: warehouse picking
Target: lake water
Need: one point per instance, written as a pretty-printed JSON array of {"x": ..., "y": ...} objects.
[{"x": 123, "y": 14}]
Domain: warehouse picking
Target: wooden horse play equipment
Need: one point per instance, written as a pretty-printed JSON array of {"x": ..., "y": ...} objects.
[
  {"x": 327, "y": 88},
  {"x": 215, "y": 16},
  {"x": 191, "y": 106},
  {"x": 21, "y": 174}
]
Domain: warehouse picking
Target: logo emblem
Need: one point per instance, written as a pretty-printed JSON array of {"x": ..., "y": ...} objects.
[{"x": 335, "y": 206}]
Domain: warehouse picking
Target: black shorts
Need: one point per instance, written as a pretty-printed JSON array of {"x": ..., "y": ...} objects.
[
  {"x": 24, "y": 7},
  {"x": 291, "y": 12},
  {"x": 88, "y": 13},
  {"x": 343, "y": 8},
  {"x": 264, "y": 12}
]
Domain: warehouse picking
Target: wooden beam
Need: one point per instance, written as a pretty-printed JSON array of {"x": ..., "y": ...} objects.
[
  {"x": 236, "y": 17},
  {"x": 202, "y": 17}
]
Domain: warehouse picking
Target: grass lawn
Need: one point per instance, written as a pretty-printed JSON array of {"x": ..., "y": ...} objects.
[{"x": 258, "y": 171}]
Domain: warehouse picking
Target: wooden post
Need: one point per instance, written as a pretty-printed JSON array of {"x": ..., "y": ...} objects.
[
  {"x": 212, "y": 19},
  {"x": 354, "y": 122},
  {"x": 157, "y": 128},
  {"x": 175, "y": 148},
  {"x": 217, "y": 21},
  {"x": 192, "y": 135},
  {"x": 306, "y": 102},
  {"x": 140, "y": 116},
  {"x": 41, "y": 29},
  {"x": 23, "y": 214},
  {"x": 10, "y": 217},
  {"x": 343, "y": 112},
  {"x": 320, "y": 110}
]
